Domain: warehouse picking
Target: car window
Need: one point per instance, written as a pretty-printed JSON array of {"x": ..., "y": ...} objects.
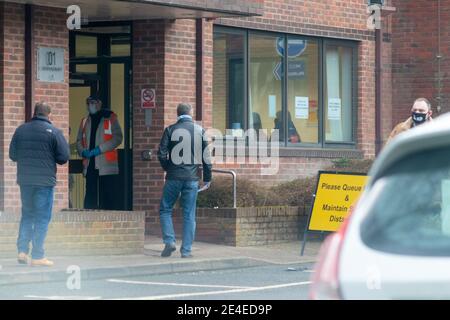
[{"x": 411, "y": 214}]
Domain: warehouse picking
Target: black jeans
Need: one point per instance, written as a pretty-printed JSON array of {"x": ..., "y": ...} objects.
[{"x": 99, "y": 194}]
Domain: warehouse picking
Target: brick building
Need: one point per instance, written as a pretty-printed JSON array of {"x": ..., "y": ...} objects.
[{"x": 226, "y": 58}]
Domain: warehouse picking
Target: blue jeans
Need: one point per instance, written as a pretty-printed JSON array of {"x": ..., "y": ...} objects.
[
  {"x": 188, "y": 191},
  {"x": 37, "y": 204}
]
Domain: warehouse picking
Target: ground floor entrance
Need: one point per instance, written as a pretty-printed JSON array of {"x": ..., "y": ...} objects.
[{"x": 100, "y": 64}]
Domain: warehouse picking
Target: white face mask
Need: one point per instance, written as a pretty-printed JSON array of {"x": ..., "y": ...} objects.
[{"x": 92, "y": 108}]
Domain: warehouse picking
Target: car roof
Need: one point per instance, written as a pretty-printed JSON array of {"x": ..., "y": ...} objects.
[{"x": 431, "y": 135}]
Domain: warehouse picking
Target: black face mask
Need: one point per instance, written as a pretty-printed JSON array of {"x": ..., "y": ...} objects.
[{"x": 419, "y": 118}]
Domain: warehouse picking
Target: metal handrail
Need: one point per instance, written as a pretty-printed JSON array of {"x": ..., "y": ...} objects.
[{"x": 231, "y": 172}]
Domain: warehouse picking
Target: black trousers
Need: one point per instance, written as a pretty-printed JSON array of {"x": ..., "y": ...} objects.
[{"x": 99, "y": 191}]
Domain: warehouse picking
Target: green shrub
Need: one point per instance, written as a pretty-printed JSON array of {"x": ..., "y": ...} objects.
[
  {"x": 296, "y": 193},
  {"x": 351, "y": 165},
  {"x": 220, "y": 194}
]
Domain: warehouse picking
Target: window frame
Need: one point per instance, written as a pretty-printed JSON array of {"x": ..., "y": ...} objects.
[
  {"x": 354, "y": 71},
  {"x": 322, "y": 43},
  {"x": 244, "y": 33}
]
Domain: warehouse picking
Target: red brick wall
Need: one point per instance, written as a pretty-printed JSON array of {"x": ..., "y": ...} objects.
[
  {"x": 148, "y": 72},
  {"x": 12, "y": 101},
  {"x": 253, "y": 6},
  {"x": 49, "y": 29},
  {"x": 165, "y": 58},
  {"x": 179, "y": 66},
  {"x": 82, "y": 233},
  {"x": 414, "y": 51}
]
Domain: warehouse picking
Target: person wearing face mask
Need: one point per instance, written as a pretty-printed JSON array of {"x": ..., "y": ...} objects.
[
  {"x": 420, "y": 113},
  {"x": 98, "y": 137}
]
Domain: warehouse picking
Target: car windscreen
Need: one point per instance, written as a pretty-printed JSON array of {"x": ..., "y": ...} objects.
[{"x": 411, "y": 212}]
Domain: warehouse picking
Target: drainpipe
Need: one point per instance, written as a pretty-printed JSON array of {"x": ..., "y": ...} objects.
[
  {"x": 29, "y": 65},
  {"x": 200, "y": 68},
  {"x": 378, "y": 74}
]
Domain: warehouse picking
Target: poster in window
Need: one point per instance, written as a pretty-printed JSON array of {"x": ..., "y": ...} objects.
[
  {"x": 334, "y": 109},
  {"x": 301, "y": 107},
  {"x": 272, "y": 106}
]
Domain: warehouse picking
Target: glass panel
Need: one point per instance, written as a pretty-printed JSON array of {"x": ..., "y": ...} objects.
[
  {"x": 120, "y": 46},
  {"x": 86, "y": 68},
  {"x": 265, "y": 78},
  {"x": 108, "y": 29},
  {"x": 228, "y": 82},
  {"x": 77, "y": 110},
  {"x": 338, "y": 94},
  {"x": 408, "y": 209},
  {"x": 85, "y": 46},
  {"x": 117, "y": 93},
  {"x": 303, "y": 91}
]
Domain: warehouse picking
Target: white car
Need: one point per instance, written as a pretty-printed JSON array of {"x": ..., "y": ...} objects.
[{"x": 396, "y": 242}]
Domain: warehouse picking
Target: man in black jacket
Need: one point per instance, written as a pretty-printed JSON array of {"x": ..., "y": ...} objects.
[
  {"x": 37, "y": 146},
  {"x": 183, "y": 148}
]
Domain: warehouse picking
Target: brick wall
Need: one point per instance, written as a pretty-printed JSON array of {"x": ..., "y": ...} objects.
[
  {"x": 414, "y": 51},
  {"x": 148, "y": 72},
  {"x": 246, "y": 226},
  {"x": 82, "y": 233},
  {"x": 49, "y": 29},
  {"x": 179, "y": 66},
  {"x": 246, "y": 7},
  {"x": 12, "y": 103}
]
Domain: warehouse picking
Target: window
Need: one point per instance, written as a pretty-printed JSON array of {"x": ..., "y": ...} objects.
[
  {"x": 303, "y": 91},
  {"x": 338, "y": 94},
  {"x": 229, "y": 82},
  {"x": 265, "y": 99},
  {"x": 409, "y": 207},
  {"x": 312, "y": 104}
]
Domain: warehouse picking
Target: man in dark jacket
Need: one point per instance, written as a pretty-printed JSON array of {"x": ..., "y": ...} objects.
[
  {"x": 183, "y": 149},
  {"x": 37, "y": 146}
]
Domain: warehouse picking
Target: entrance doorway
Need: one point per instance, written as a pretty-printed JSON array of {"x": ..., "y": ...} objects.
[{"x": 100, "y": 63}]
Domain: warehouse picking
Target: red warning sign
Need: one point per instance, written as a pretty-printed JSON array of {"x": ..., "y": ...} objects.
[{"x": 148, "y": 99}]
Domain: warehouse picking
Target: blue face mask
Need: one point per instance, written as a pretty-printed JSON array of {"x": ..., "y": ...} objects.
[{"x": 419, "y": 118}]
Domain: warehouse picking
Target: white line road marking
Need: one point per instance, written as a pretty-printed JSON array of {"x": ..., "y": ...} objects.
[
  {"x": 62, "y": 297},
  {"x": 183, "y": 295},
  {"x": 176, "y": 284}
]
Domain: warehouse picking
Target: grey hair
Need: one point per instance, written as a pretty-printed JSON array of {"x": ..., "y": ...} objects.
[
  {"x": 183, "y": 109},
  {"x": 42, "y": 109}
]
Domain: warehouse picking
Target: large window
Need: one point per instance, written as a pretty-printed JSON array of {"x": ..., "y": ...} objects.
[
  {"x": 303, "y": 91},
  {"x": 312, "y": 104},
  {"x": 229, "y": 82},
  {"x": 266, "y": 91}
]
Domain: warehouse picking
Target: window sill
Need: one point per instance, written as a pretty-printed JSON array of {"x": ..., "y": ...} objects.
[
  {"x": 321, "y": 153},
  {"x": 305, "y": 152}
]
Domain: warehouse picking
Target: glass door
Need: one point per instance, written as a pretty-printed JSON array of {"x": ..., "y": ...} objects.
[
  {"x": 79, "y": 90},
  {"x": 100, "y": 63}
]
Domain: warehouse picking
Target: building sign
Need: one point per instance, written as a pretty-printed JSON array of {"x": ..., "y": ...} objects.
[
  {"x": 148, "y": 97},
  {"x": 50, "y": 64},
  {"x": 295, "y": 47},
  {"x": 336, "y": 194},
  {"x": 296, "y": 70}
]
